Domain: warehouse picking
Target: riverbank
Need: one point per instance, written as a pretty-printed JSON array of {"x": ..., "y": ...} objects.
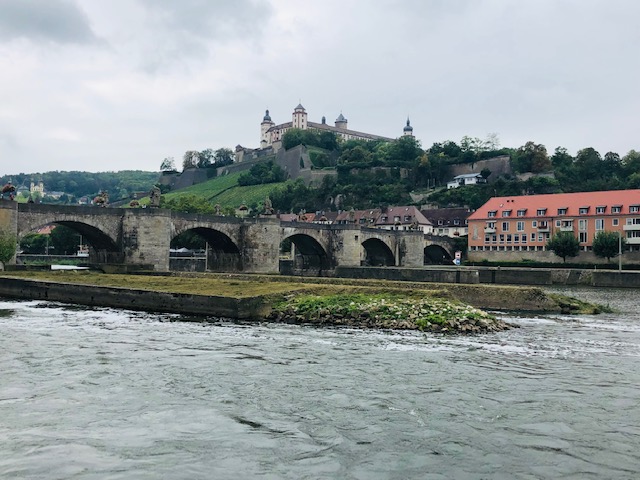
[{"x": 374, "y": 304}]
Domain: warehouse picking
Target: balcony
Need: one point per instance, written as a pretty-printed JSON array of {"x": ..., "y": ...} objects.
[
  {"x": 543, "y": 227},
  {"x": 566, "y": 228},
  {"x": 489, "y": 230},
  {"x": 631, "y": 227}
]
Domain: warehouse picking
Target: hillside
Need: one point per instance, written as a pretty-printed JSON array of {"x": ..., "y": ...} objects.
[{"x": 226, "y": 192}]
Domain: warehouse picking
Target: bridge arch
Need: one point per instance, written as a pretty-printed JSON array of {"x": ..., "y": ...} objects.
[
  {"x": 307, "y": 254},
  {"x": 377, "y": 253},
  {"x": 102, "y": 248},
  {"x": 222, "y": 253},
  {"x": 435, "y": 254}
]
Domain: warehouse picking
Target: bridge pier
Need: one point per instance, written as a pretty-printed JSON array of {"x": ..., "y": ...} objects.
[
  {"x": 146, "y": 234},
  {"x": 9, "y": 221}
]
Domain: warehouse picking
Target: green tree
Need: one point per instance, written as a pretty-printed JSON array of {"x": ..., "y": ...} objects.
[
  {"x": 64, "y": 240},
  {"x": 564, "y": 244},
  {"x": 7, "y": 246},
  {"x": 33, "y": 243},
  {"x": 190, "y": 159},
  {"x": 187, "y": 204},
  {"x": 223, "y": 156},
  {"x": 532, "y": 157},
  {"x": 168, "y": 165},
  {"x": 607, "y": 244}
]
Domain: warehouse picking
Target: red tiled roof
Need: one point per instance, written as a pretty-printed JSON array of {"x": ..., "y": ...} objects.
[{"x": 552, "y": 202}]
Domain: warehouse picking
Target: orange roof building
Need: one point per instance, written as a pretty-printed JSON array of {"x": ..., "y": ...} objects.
[{"x": 525, "y": 223}]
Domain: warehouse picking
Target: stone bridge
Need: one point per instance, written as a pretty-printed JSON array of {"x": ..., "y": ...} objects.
[{"x": 141, "y": 237}]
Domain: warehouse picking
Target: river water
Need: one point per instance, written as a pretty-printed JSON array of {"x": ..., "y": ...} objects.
[{"x": 113, "y": 394}]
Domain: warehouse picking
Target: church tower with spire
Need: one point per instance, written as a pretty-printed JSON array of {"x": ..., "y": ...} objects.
[
  {"x": 266, "y": 124},
  {"x": 407, "y": 131}
]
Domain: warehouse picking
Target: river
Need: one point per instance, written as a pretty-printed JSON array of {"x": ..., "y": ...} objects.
[{"x": 113, "y": 394}]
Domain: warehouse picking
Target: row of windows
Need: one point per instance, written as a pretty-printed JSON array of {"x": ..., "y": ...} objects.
[
  {"x": 515, "y": 238},
  {"x": 541, "y": 237},
  {"x": 542, "y": 212},
  {"x": 582, "y": 224}
]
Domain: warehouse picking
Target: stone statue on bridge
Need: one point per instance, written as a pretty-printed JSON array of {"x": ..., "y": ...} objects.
[
  {"x": 102, "y": 199},
  {"x": 268, "y": 206},
  {"x": 154, "y": 197},
  {"x": 9, "y": 190}
]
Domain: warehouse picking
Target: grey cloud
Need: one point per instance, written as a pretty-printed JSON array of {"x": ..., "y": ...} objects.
[
  {"x": 213, "y": 19},
  {"x": 58, "y": 21}
]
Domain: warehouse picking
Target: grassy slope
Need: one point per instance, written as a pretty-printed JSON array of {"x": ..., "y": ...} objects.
[{"x": 226, "y": 191}]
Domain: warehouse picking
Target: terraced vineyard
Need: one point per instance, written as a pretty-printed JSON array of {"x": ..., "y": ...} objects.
[{"x": 225, "y": 191}]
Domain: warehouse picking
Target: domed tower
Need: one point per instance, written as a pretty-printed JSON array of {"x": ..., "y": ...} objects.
[
  {"x": 299, "y": 117},
  {"x": 265, "y": 138},
  {"x": 341, "y": 122},
  {"x": 408, "y": 129}
]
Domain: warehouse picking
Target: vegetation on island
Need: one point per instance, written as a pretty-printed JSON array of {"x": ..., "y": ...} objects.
[{"x": 386, "y": 310}]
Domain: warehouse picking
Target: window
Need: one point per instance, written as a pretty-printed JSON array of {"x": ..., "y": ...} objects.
[
  {"x": 508, "y": 238},
  {"x": 516, "y": 238},
  {"x": 494, "y": 239},
  {"x": 456, "y": 222},
  {"x": 582, "y": 225},
  {"x": 407, "y": 218},
  {"x": 616, "y": 209},
  {"x": 584, "y": 210},
  {"x": 582, "y": 237},
  {"x": 534, "y": 224},
  {"x": 634, "y": 208},
  {"x": 562, "y": 211},
  {"x": 506, "y": 213},
  {"x": 524, "y": 238},
  {"x": 505, "y": 226},
  {"x": 601, "y": 209},
  {"x": 615, "y": 222},
  {"x": 440, "y": 222},
  {"x": 541, "y": 237},
  {"x": 558, "y": 222},
  {"x": 520, "y": 227},
  {"x": 487, "y": 239},
  {"x": 501, "y": 238},
  {"x": 599, "y": 224},
  {"x": 522, "y": 212},
  {"x": 533, "y": 237},
  {"x": 492, "y": 213},
  {"x": 541, "y": 212}
]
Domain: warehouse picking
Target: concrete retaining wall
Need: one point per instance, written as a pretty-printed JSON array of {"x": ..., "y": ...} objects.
[
  {"x": 439, "y": 275},
  {"x": 245, "y": 308}
]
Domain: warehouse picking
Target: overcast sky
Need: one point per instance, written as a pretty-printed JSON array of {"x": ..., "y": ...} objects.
[{"x": 121, "y": 84}]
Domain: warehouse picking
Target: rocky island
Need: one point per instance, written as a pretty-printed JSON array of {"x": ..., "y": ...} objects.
[{"x": 442, "y": 308}]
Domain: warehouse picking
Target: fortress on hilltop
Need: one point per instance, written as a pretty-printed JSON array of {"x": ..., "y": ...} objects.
[{"x": 271, "y": 134}]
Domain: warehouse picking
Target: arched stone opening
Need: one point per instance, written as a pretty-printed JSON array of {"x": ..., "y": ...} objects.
[
  {"x": 377, "y": 254},
  {"x": 88, "y": 243},
  {"x": 437, "y": 255},
  {"x": 302, "y": 254},
  {"x": 204, "y": 249}
]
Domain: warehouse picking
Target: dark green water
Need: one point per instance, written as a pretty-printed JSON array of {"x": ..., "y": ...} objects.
[{"x": 111, "y": 394}]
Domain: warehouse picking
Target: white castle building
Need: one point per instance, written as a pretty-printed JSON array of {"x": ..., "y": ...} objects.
[{"x": 271, "y": 133}]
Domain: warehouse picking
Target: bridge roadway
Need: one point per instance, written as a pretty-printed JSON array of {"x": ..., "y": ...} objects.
[{"x": 142, "y": 237}]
